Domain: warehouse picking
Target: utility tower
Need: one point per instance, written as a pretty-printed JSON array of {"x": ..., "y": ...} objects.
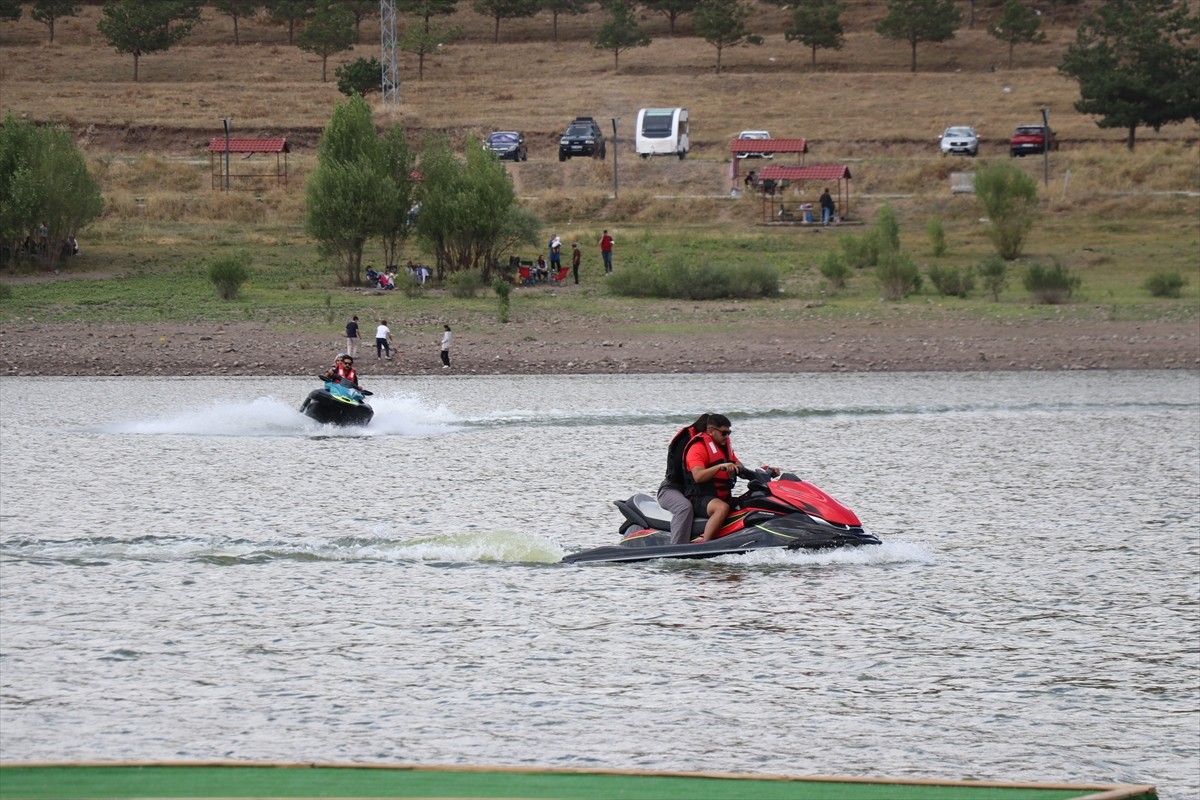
[{"x": 390, "y": 85}]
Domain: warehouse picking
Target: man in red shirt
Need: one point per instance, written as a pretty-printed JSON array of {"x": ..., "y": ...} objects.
[{"x": 606, "y": 244}]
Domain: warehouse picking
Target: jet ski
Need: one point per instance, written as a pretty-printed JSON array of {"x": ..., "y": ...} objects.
[
  {"x": 337, "y": 404},
  {"x": 787, "y": 513}
]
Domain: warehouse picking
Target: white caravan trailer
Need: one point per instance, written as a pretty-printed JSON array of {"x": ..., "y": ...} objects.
[{"x": 662, "y": 132}]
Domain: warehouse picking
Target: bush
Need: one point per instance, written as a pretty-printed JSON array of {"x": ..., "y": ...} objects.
[
  {"x": 994, "y": 273},
  {"x": 503, "y": 288},
  {"x": 1009, "y": 198},
  {"x": 228, "y": 273},
  {"x": 684, "y": 278},
  {"x": 888, "y": 229},
  {"x": 861, "y": 251},
  {"x": 1165, "y": 284},
  {"x": 897, "y": 275},
  {"x": 1050, "y": 285},
  {"x": 835, "y": 269},
  {"x": 363, "y": 76},
  {"x": 410, "y": 285},
  {"x": 6, "y": 291},
  {"x": 937, "y": 237},
  {"x": 952, "y": 281},
  {"x": 465, "y": 283}
]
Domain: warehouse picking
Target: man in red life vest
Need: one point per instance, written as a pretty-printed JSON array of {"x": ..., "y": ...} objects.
[
  {"x": 711, "y": 469},
  {"x": 343, "y": 371}
]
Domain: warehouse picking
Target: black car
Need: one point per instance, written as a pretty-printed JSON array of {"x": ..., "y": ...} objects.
[
  {"x": 583, "y": 137},
  {"x": 508, "y": 144}
]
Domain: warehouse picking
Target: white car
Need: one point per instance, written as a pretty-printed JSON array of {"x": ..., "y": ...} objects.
[
  {"x": 754, "y": 135},
  {"x": 960, "y": 139}
]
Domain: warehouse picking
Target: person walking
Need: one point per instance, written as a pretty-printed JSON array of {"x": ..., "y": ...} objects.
[
  {"x": 383, "y": 340},
  {"x": 606, "y": 246},
  {"x": 575, "y": 256},
  {"x": 352, "y": 337},
  {"x": 827, "y": 208},
  {"x": 446, "y": 336}
]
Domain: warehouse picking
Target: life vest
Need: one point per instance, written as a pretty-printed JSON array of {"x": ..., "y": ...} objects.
[
  {"x": 722, "y": 483},
  {"x": 676, "y": 471},
  {"x": 348, "y": 374}
]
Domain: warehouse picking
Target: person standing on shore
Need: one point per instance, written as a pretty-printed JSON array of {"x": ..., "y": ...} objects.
[
  {"x": 383, "y": 340},
  {"x": 575, "y": 256},
  {"x": 606, "y": 246},
  {"x": 827, "y": 208},
  {"x": 352, "y": 337},
  {"x": 446, "y": 336}
]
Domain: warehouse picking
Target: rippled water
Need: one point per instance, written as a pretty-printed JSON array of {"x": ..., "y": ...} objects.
[{"x": 191, "y": 569}]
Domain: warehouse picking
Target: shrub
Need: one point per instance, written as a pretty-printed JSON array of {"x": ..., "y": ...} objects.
[
  {"x": 888, "y": 229},
  {"x": 465, "y": 283},
  {"x": 937, "y": 237},
  {"x": 994, "y": 274},
  {"x": 410, "y": 285},
  {"x": 6, "y": 291},
  {"x": 688, "y": 279},
  {"x": 1009, "y": 198},
  {"x": 897, "y": 275},
  {"x": 1165, "y": 284},
  {"x": 1050, "y": 285},
  {"x": 363, "y": 76},
  {"x": 862, "y": 250},
  {"x": 952, "y": 281},
  {"x": 835, "y": 269},
  {"x": 229, "y": 272},
  {"x": 503, "y": 289}
]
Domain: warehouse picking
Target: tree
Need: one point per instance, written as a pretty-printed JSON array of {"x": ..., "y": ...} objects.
[
  {"x": 1018, "y": 24},
  {"x": 344, "y": 194},
  {"x": 47, "y": 194},
  {"x": 395, "y": 220},
  {"x": 424, "y": 38},
  {"x": 1008, "y": 195},
  {"x": 237, "y": 9},
  {"x": 138, "y": 27},
  {"x": 817, "y": 23},
  {"x": 556, "y": 7},
  {"x": 289, "y": 11},
  {"x": 917, "y": 21},
  {"x": 469, "y": 213},
  {"x": 722, "y": 23},
  {"x": 1137, "y": 63},
  {"x": 10, "y": 10},
  {"x": 672, "y": 10},
  {"x": 505, "y": 9},
  {"x": 620, "y": 31},
  {"x": 331, "y": 31},
  {"x": 48, "y": 12},
  {"x": 361, "y": 9},
  {"x": 361, "y": 76}
]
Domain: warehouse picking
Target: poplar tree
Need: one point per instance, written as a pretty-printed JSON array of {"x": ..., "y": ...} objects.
[
  {"x": 917, "y": 21},
  {"x": 1018, "y": 24},
  {"x": 138, "y": 27}
]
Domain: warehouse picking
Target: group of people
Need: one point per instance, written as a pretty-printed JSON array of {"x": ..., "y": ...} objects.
[
  {"x": 384, "y": 342},
  {"x": 701, "y": 472}
]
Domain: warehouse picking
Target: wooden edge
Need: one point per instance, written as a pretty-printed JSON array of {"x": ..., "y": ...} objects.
[{"x": 1102, "y": 791}]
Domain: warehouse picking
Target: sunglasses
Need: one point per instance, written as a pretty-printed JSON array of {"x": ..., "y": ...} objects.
[{"x": 725, "y": 431}]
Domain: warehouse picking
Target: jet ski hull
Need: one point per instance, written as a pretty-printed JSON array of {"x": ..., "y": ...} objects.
[{"x": 328, "y": 409}]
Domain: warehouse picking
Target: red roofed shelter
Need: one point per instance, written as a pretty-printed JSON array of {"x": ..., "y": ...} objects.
[
  {"x": 767, "y": 147},
  {"x": 825, "y": 174},
  {"x": 247, "y": 148}
]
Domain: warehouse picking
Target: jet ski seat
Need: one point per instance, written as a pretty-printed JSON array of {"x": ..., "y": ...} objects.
[{"x": 659, "y": 517}]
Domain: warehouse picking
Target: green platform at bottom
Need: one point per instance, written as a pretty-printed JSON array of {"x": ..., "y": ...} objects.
[{"x": 235, "y": 780}]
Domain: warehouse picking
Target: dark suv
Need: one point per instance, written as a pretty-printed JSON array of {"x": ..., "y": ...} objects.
[{"x": 583, "y": 137}]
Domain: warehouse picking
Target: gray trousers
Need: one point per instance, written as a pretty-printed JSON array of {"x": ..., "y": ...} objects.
[{"x": 672, "y": 498}]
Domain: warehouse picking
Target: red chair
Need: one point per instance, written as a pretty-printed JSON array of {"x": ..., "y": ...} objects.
[
  {"x": 526, "y": 275},
  {"x": 560, "y": 276}
]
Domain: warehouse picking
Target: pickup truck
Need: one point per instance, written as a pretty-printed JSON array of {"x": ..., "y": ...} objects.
[{"x": 1032, "y": 139}]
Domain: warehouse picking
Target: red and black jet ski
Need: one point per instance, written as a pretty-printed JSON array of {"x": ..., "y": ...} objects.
[{"x": 787, "y": 512}]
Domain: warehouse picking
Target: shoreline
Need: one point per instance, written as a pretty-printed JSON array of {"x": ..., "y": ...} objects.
[{"x": 246, "y": 348}]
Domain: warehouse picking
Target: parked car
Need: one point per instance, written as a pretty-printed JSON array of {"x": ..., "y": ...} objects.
[
  {"x": 1032, "y": 139},
  {"x": 754, "y": 135},
  {"x": 583, "y": 137},
  {"x": 960, "y": 139},
  {"x": 507, "y": 144}
]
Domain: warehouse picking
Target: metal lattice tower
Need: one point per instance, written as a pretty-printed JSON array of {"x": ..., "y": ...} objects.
[{"x": 391, "y": 71}]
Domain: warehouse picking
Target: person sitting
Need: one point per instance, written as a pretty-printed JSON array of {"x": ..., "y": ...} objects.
[
  {"x": 541, "y": 271},
  {"x": 671, "y": 491},
  {"x": 711, "y": 469},
  {"x": 751, "y": 180},
  {"x": 343, "y": 372},
  {"x": 386, "y": 282}
]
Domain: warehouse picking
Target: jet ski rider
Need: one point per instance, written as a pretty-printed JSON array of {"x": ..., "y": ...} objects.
[
  {"x": 343, "y": 371},
  {"x": 671, "y": 491},
  {"x": 710, "y": 471}
]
